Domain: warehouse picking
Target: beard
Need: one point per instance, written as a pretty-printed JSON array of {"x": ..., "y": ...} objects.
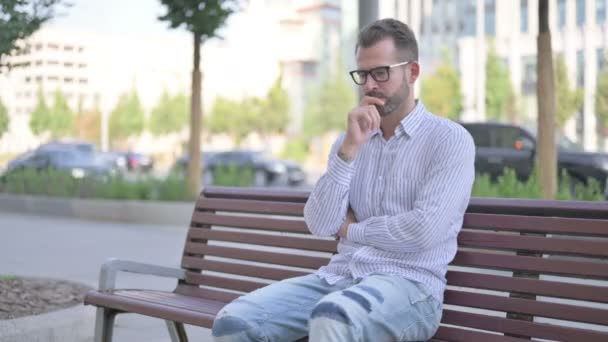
[{"x": 392, "y": 102}]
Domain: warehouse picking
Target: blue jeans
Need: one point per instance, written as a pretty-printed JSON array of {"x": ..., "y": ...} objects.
[{"x": 377, "y": 308}]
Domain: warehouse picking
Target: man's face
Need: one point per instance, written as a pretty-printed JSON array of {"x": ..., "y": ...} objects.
[{"x": 396, "y": 90}]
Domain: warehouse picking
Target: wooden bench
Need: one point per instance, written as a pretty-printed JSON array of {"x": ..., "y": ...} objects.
[{"x": 524, "y": 268}]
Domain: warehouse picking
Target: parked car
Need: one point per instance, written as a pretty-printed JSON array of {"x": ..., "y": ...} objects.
[
  {"x": 78, "y": 159},
  {"x": 127, "y": 161},
  {"x": 500, "y": 146},
  {"x": 267, "y": 171}
]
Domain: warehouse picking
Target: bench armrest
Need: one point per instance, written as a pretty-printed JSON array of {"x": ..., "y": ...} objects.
[{"x": 110, "y": 268}]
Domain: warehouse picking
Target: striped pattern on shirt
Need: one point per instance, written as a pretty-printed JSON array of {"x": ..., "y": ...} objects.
[{"x": 409, "y": 195}]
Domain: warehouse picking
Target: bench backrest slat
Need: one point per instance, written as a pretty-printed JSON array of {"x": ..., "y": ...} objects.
[{"x": 525, "y": 259}]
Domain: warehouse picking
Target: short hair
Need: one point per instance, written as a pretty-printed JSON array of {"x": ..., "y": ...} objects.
[{"x": 402, "y": 35}]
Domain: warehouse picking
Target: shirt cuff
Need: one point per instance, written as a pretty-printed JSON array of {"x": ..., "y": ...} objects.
[
  {"x": 340, "y": 171},
  {"x": 356, "y": 232}
]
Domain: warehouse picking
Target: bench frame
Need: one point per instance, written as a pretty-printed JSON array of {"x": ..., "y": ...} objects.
[{"x": 109, "y": 270}]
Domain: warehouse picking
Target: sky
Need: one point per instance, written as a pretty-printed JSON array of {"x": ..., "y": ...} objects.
[{"x": 120, "y": 17}]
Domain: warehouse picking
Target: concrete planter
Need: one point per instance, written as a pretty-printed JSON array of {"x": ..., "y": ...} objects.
[{"x": 150, "y": 212}]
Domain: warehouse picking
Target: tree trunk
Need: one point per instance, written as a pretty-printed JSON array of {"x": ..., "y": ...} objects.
[
  {"x": 194, "y": 147},
  {"x": 546, "y": 151}
]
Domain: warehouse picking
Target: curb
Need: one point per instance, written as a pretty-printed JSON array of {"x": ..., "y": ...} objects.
[
  {"x": 128, "y": 211},
  {"x": 74, "y": 324}
]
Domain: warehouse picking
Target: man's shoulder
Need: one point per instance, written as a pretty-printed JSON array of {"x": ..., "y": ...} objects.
[{"x": 446, "y": 130}]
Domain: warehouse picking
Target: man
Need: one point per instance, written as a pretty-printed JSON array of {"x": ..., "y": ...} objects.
[{"x": 395, "y": 192}]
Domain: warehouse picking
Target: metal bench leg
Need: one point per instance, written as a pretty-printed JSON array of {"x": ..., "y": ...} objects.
[
  {"x": 177, "y": 331},
  {"x": 104, "y": 325}
]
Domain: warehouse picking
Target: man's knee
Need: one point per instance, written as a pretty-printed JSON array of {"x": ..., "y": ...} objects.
[{"x": 228, "y": 327}]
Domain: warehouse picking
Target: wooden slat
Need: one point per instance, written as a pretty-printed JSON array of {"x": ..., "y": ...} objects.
[
  {"x": 566, "y": 312},
  {"x": 529, "y": 286},
  {"x": 453, "y": 334},
  {"x": 259, "y": 256},
  {"x": 246, "y": 206},
  {"x": 224, "y": 283},
  {"x": 536, "y": 224},
  {"x": 196, "y": 291},
  {"x": 587, "y": 269},
  {"x": 534, "y": 243},
  {"x": 536, "y": 207},
  {"x": 524, "y": 328},
  {"x": 263, "y": 194},
  {"x": 262, "y": 223},
  {"x": 310, "y": 244},
  {"x": 240, "y": 269},
  {"x": 175, "y": 300}
]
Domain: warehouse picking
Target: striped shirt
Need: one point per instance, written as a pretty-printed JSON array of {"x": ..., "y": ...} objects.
[{"x": 409, "y": 195}]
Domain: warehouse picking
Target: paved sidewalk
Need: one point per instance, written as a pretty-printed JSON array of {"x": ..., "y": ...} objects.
[{"x": 74, "y": 249}]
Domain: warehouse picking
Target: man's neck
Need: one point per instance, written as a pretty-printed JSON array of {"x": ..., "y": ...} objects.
[{"x": 390, "y": 122}]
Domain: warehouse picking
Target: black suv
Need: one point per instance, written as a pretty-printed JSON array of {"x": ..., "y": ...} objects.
[{"x": 500, "y": 146}]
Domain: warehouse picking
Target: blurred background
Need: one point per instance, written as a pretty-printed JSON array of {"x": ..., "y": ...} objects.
[{"x": 102, "y": 90}]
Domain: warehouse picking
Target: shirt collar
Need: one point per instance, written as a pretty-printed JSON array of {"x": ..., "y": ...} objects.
[{"x": 410, "y": 123}]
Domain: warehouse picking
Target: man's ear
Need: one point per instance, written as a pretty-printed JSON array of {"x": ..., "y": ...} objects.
[{"x": 414, "y": 72}]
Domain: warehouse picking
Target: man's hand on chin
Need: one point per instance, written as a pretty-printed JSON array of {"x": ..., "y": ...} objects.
[{"x": 350, "y": 218}]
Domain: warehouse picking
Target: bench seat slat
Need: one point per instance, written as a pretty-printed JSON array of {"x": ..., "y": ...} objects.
[
  {"x": 303, "y": 243},
  {"x": 453, "y": 334},
  {"x": 206, "y": 293},
  {"x": 536, "y": 224},
  {"x": 240, "y": 269},
  {"x": 526, "y": 306},
  {"x": 172, "y": 306},
  {"x": 512, "y": 326},
  {"x": 590, "y": 269},
  {"x": 222, "y": 282},
  {"x": 557, "y": 245},
  {"x": 246, "y": 206},
  {"x": 264, "y": 223},
  {"x": 284, "y": 259},
  {"x": 529, "y": 286}
]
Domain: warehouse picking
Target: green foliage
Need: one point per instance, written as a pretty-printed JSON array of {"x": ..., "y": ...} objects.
[
  {"x": 201, "y": 17},
  {"x": 233, "y": 117},
  {"x": 499, "y": 92},
  {"x": 232, "y": 175},
  {"x": 19, "y": 19},
  {"x": 56, "y": 120},
  {"x": 127, "y": 118},
  {"x": 441, "y": 92},
  {"x": 170, "y": 114},
  {"x": 4, "y": 119},
  {"x": 328, "y": 106},
  {"x": 601, "y": 98},
  {"x": 568, "y": 100},
  {"x": 296, "y": 149},
  {"x": 275, "y": 114},
  {"x": 39, "y": 121}
]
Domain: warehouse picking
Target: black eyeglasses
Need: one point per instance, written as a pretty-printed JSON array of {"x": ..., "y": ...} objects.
[{"x": 379, "y": 74}]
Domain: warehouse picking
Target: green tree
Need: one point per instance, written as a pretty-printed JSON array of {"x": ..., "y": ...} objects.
[
  {"x": 568, "y": 100},
  {"x": 170, "y": 114},
  {"x": 441, "y": 91},
  {"x": 19, "y": 19},
  {"x": 275, "y": 114},
  {"x": 62, "y": 117},
  {"x": 127, "y": 118},
  {"x": 4, "y": 119},
  {"x": 601, "y": 99},
  {"x": 203, "y": 18},
  {"x": 234, "y": 118},
  {"x": 40, "y": 118},
  {"x": 328, "y": 106},
  {"x": 499, "y": 93}
]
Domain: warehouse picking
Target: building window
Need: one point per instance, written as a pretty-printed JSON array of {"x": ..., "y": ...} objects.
[
  {"x": 68, "y": 48},
  {"x": 39, "y": 46},
  {"x": 82, "y": 65},
  {"x": 53, "y": 46},
  {"x": 490, "y": 17},
  {"x": 469, "y": 12},
  {"x": 600, "y": 11},
  {"x": 580, "y": 13},
  {"x": 80, "y": 49},
  {"x": 83, "y": 81},
  {"x": 68, "y": 80},
  {"x": 52, "y": 78},
  {"x": 561, "y": 13},
  {"x": 523, "y": 16},
  {"x": 38, "y": 63},
  {"x": 38, "y": 78},
  {"x": 68, "y": 64},
  {"x": 580, "y": 69},
  {"x": 601, "y": 59},
  {"x": 28, "y": 79},
  {"x": 528, "y": 84},
  {"x": 52, "y": 62}
]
